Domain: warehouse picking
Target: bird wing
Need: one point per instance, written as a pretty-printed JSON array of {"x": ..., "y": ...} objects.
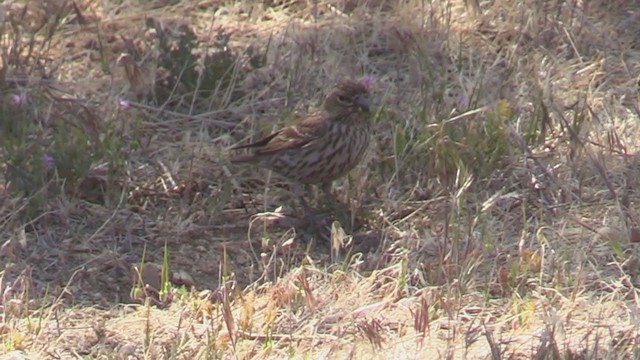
[{"x": 289, "y": 138}]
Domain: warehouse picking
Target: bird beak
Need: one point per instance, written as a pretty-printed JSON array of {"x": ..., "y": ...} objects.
[{"x": 362, "y": 102}]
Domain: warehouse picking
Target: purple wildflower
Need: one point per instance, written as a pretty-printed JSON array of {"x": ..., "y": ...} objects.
[
  {"x": 367, "y": 81},
  {"x": 123, "y": 103},
  {"x": 19, "y": 99},
  {"x": 462, "y": 102},
  {"x": 48, "y": 161}
]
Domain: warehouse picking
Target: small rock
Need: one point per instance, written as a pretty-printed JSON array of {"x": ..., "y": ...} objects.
[
  {"x": 151, "y": 274},
  {"x": 181, "y": 277},
  {"x": 611, "y": 234}
]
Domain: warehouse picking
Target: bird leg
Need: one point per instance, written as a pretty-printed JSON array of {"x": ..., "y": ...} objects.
[
  {"x": 331, "y": 199},
  {"x": 340, "y": 209},
  {"x": 298, "y": 191},
  {"x": 326, "y": 189},
  {"x": 310, "y": 219}
]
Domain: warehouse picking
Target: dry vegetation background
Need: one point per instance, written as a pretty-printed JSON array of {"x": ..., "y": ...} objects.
[{"x": 496, "y": 215}]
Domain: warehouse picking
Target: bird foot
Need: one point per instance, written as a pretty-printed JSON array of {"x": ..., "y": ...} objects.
[{"x": 315, "y": 225}]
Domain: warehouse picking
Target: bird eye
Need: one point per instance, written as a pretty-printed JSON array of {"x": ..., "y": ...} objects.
[{"x": 343, "y": 99}]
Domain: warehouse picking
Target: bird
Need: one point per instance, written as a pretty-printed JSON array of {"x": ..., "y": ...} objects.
[{"x": 320, "y": 147}]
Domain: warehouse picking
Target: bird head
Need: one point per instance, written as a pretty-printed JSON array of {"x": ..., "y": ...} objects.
[{"x": 348, "y": 96}]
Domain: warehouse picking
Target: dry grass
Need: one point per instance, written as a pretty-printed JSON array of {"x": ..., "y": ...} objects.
[{"x": 494, "y": 218}]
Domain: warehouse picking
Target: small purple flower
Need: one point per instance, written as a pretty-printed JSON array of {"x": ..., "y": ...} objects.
[
  {"x": 462, "y": 102},
  {"x": 48, "y": 161},
  {"x": 19, "y": 99},
  {"x": 368, "y": 81},
  {"x": 123, "y": 103}
]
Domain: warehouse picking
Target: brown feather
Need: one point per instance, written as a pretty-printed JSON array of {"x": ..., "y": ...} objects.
[
  {"x": 261, "y": 142},
  {"x": 289, "y": 138},
  {"x": 321, "y": 147}
]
